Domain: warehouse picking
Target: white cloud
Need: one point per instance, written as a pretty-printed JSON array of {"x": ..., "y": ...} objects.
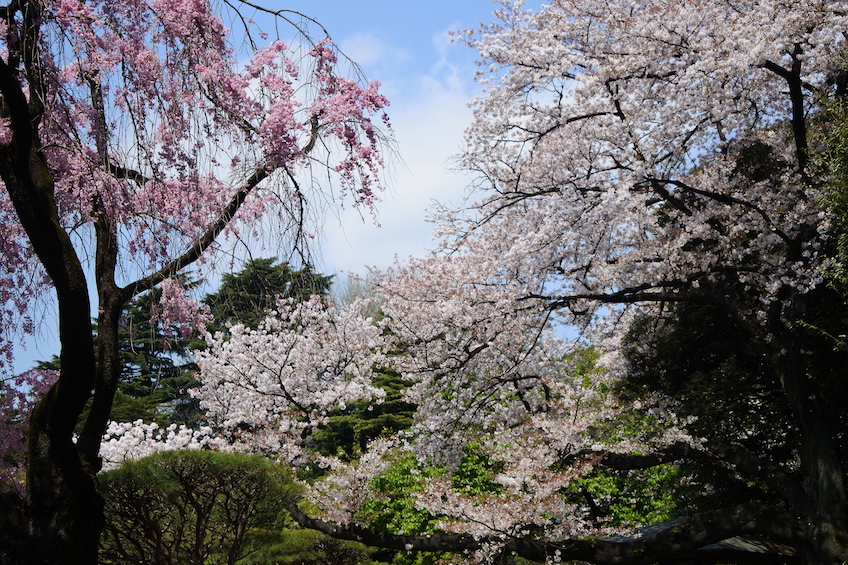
[{"x": 369, "y": 50}]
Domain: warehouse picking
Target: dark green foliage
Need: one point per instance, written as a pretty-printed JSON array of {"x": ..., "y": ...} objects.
[
  {"x": 824, "y": 333},
  {"x": 157, "y": 371},
  {"x": 704, "y": 360},
  {"x": 307, "y": 547},
  {"x": 832, "y": 157},
  {"x": 246, "y": 296},
  {"x": 699, "y": 356}
]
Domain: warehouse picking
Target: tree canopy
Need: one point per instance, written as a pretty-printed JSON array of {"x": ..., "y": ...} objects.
[
  {"x": 193, "y": 507},
  {"x": 247, "y": 296}
]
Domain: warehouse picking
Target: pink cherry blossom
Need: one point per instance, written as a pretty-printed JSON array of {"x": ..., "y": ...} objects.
[{"x": 18, "y": 397}]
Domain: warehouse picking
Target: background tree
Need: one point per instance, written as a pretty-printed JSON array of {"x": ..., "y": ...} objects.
[
  {"x": 118, "y": 120},
  {"x": 158, "y": 369},
  {"x": 156, "y": 372},
  {"x": 247, "y": 296},
  {"x": 701, "y": 357},
  {"x": 348, "y": 432}
]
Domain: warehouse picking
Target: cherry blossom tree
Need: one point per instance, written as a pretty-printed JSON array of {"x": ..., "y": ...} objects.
[
  {"x": 630, "y": 155},
  {"x": 136, "y": 135},
  {"x": 485, "y": 373},
  {"x": 488, "y": 375},
  {"x": 634, "y": 154}
]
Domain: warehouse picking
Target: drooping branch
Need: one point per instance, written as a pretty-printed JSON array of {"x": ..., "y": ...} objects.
[{"x": 223, "y": 220}]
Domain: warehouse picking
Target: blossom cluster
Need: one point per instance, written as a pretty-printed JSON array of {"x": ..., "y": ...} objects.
[
  {"x": 133, "y": 440},
  {"x": 272, "y": 384},
  {"x": 18, "y": 396}
]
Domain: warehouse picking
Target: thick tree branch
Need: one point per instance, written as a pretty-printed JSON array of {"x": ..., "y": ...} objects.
[
  {"x": 432, "y": 542},
  {"x": 214, "y": 230},
  {"x": 796, "y": 97},
  {"x": 202, "y": 243},
  {"x": 687, "y": 535}
]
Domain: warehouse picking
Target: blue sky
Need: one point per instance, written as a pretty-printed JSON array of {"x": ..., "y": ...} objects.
[{"x": 429, "y": 80}]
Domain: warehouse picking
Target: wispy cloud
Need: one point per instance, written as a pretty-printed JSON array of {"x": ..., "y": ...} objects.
[{"x": 369, "y": 51}]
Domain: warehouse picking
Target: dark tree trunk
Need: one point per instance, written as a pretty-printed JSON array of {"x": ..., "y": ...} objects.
[
  {"x": 63, "y": 514},
  {"x": 821, "y": 465},
  {"x": 64, "y": 507}
]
